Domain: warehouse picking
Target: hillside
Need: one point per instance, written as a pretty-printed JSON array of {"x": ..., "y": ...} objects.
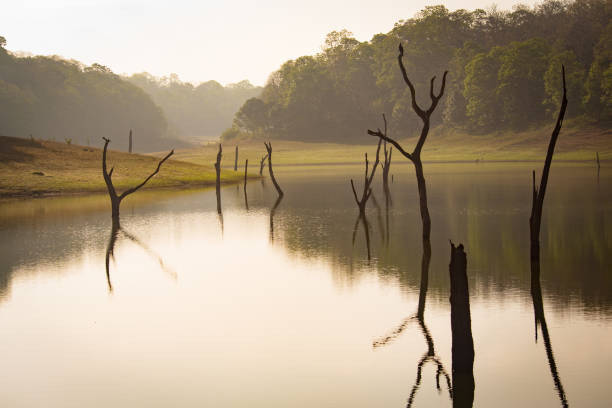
[{"x": 38, "y": 167}]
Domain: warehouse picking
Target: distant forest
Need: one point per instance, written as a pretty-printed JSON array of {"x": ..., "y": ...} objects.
[
  {"x": 196, "y": 112},
  {"x": 504, "y": 73},
  {"x": 57, "y": 99}
]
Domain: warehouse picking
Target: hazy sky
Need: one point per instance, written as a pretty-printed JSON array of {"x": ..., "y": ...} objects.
[{"x": 199, "y": 40}]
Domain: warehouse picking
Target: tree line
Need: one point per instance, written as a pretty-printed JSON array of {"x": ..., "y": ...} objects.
[
  {"x": 49, "y": 97},
  {"x": 195, "y": 112},
  {"x": 503, "y": 74}
]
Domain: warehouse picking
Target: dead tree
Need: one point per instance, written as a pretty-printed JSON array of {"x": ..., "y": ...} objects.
[
  {"x": 236, "y": 160},
  {"x": 386, "y": 164},
  {"x": 269, "y": 149},
  {"x": 367, "y": 182},
  {"x": 130, "y": 147},
  {"x": 537, "y": 204},
  {"x": 415, "y": 156},
  {"x": 117, "y": 198},
  {"x": 262, "y": 163},
  {"x": 461, "y": 330},
  {"x": 218, "y": 181}
]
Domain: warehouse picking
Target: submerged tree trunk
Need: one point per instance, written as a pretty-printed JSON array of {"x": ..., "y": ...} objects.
[
  {"x": 461, "y": 328},
  {"x": 262, "y": 163},
  {"x": 269, "y": 149},
  {"x": 367, "y": 182},
  {"x": 415, "y": 156},
  {"x": 112, "y": 193},
  {"x": 218, "y": 179},
  {"x": 535, "y": 220},
  {"x": 236, "y": 160}
]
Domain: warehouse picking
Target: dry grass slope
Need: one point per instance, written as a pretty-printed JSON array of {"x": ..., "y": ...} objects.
[{"x": 36, "y": 167}]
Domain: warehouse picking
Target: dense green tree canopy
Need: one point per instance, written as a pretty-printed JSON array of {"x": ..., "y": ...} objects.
[{"x": 504, "y": 73}]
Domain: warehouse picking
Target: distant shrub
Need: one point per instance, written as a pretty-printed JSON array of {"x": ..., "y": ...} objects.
[
  {"x": 230, "y": 134},
  {"x": 68, "y": 140}
]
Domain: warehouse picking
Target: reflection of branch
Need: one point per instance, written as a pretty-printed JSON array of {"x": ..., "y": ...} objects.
[
  {"x": 430, "y": 355},
  {"x": 272, "y": 212},
  {"x": 366, "y": 227},
  {"x": 111, "y": 247},
  {"x": 540, "y": 319},
  {"x": 380, "y": 218},
  {"x": 151, "y": 253}
]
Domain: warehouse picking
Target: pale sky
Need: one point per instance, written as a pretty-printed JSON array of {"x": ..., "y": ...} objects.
[{"x": 227, "y": 41}]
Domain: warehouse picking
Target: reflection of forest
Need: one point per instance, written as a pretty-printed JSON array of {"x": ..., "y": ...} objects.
[
  {"x": 489, "y": 209},
  {"x": 316, "y": 218}
]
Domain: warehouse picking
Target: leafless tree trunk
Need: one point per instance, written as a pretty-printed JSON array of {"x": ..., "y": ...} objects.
[
  {"x": 269, "y": 149},
  {"x": 386, "y": 164},
  {"x": 236, "y": 160},
  {"x": 218, "y": 180},
  {"x": 262, "y": 163},
  {"x": 415, "y": 156},
  {"x": 535, "y": 219},
  {"x": 116, "y": 198},
  {"x": 367, "y": 182},
  {"x": 461, "y": 328},
  {"x": 130, "y": 148}
]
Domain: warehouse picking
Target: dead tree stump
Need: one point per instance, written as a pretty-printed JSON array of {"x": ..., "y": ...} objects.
[{"x": 461, "y": 327}]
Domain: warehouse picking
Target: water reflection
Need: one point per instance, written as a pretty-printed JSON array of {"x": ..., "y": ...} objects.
[
  {"x": 366, "y": 231},
  {"x": 540, "y": 321},
  {"x": 429, "y": 355},
  {"x": 110, "y": 253},
  {"x": 272, "y": 212}
]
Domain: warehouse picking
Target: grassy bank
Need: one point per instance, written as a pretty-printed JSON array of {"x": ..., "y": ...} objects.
[
  {"x": 35, "y": 167},
  {"x": 443, "y": 145}
]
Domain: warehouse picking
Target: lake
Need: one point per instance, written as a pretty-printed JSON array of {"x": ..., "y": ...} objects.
[{"x": 279, "y": 307}]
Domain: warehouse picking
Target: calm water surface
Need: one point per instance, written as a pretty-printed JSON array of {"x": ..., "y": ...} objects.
[{"x": 281, "y": 307}]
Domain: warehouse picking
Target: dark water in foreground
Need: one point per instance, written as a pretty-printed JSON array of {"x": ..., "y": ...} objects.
[{"x": 283, "y": 311}]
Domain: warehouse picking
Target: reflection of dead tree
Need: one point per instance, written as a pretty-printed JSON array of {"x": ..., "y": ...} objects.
[
  {"x": 461, "y": 328},
  {"x": 272, "y": 212},
  {"x": 388, "y": 203},
  {"x": 535, "y": 219},
  {"x": 116, "y": 198},
  {"x": 430, "y": 355},
  {"x": 366, "y": 231},
  {"x": 379, "y": 217},
  {"x": 269, "y": 149},
  {"x": 110, "y": 254},
  {"x": 262, "y": 163},
  {"x": 415, "y": 156},
  {"x": 218, "y": 180},
  {"x": 367, "y": 182},
  {"x": 246, "y": 167},
  {"x": 111, "y": 248},
  {"x": 540, "y": 320}
]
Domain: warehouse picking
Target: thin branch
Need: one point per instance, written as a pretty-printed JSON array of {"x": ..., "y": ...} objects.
[{"x": 133, "y": 189}]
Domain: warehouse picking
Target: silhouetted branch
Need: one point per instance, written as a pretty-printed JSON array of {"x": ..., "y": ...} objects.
[
  {"x": 538, "y": 194},
  {"x": 368, "y": 177},
  {"x": 116, "y": 199},
  {"x": 269, "y": 149},
  {"x": 262, "y": 163}
]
